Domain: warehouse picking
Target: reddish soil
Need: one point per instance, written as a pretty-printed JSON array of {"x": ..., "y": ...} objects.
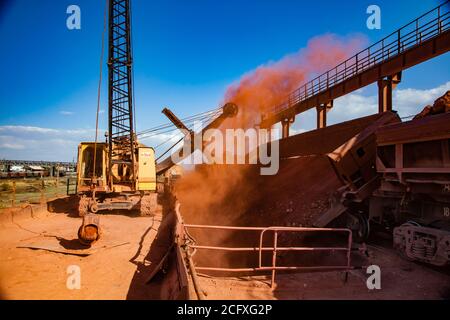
[
  {"x": 400, "y": 280},
  {"x": 120, "y": 263},
  {"x": 115, "y": 268},
  {"x": 298, "y": 194}
]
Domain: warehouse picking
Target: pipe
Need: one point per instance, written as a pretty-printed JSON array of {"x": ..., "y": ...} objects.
[{"x": 198, "y": 290}]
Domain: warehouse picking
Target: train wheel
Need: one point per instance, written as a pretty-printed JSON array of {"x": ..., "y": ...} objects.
[
  {"x": 400, "y": 241},
  {"x": 359, "y": 225}
]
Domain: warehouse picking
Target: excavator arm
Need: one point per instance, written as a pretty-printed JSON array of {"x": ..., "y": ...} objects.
[{"x": 229, "y": 110}]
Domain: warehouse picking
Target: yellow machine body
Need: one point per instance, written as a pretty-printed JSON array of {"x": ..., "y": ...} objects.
[
  {"x": 85, "y": 165},
  {"x": 146, "y": 169}
]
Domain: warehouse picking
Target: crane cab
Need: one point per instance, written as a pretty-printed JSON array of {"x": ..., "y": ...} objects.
[
  {"x": 146, "y": 168},
  {"x": 146, "y": 177},
  {"x": 85, "y": 166}
]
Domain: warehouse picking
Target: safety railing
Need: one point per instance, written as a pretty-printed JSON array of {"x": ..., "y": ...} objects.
[
  {"x": 275, "y": 249},
  {"x": 425, "y": 27}
]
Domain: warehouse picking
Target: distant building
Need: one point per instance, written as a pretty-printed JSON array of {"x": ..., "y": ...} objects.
[
  {"x": 36, "y": 168},
  {"x": 17, "y": 169}
]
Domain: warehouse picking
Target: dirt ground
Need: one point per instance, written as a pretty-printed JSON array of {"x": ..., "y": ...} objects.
[
  {"x": 400, "y": 280},
  {"x": 118, "y": 265},
  {"x": 109, "y": 272}
]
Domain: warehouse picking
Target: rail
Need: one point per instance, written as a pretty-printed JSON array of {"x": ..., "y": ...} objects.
[
  {"x": 423, "y": 28},
  {"x": 274, "y": 267}
]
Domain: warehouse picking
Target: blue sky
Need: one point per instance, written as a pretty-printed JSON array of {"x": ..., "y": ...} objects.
[{"x": 186, "y": 53}]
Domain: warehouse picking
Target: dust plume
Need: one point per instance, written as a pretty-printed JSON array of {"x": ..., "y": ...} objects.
[
  {"x": 206, "y": 192},
  {"x": 222, "y": 194},
  {"x": 269, "y": 85}
]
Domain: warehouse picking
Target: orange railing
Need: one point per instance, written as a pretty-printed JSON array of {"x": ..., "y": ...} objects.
[
  {"x": 274, "y": 267},
  {"x": 425, "y": 27}
]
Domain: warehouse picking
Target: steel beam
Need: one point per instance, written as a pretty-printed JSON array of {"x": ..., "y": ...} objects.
[
  {"x": 230, "y": 110},
  {"x": 121, "y": 137},
  {"x": 285, "y": 126},
  {"x": 385, "y": 88},
  {"x": 176, "y": 121},
  {"x": 322, "y": 111}
]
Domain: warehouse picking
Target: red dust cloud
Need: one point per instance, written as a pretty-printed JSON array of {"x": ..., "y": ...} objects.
[
  {"x": 223, "y": 193},
  {"x": 269, "y": 85}
]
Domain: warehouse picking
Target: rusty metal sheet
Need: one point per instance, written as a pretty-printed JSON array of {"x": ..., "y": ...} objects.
[
  {"x": 362, "y": 137},
  {"x": 325, "y": 140},
  {"x": 429, "y": 128},
  {"x": 176, "y": 284}
]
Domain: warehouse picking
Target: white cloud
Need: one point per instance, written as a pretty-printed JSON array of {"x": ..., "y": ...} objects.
[
  {"x": 66, "y": 113},
  {"x": 162, "y": 141},
  {"x": 38, "y": 143},
  {"x": 12, "y": 146},
  {"x": 29, "y": 131},
  {"x": 293, "y": 131},
  {"x": 26, "y": 129},
  {"x": 407, "y": 102},
  {"x": 412, "y": 101}
]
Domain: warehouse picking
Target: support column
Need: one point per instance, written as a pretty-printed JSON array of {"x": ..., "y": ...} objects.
[
  {"x": 269, "y": 134},
  {"x": 322, "y": 111},
  {"x": 285, "y": 125},
  {"x": 385, "y": 87}
]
